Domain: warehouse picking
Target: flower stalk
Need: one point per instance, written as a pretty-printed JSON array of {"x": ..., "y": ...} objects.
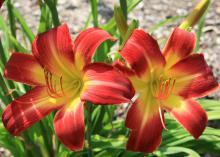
[
  {"x": 195, "y": 15},
  {"x": 89, "y": 129}
]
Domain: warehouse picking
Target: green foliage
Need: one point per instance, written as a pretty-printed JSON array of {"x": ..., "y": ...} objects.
[
  {"x": 94, "y": 8},
  {"x": 107, "y": 134}
]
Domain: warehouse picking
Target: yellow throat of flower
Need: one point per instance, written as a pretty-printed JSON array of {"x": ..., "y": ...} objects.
[{"x": 60, "y": 87}]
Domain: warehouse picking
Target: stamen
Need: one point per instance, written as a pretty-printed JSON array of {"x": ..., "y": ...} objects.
[
  {"x": 162, "y": 119},
  {"x": 61, "y": 84},
  {"x": 50, "y": 94},
  {"x": 52, "y": 85},
  {"x": 165, "y": 88}
]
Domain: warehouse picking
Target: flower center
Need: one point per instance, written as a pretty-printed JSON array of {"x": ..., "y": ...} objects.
[
  {"x": 55, "y": 85},
  {"x": 162, "y": 88}
]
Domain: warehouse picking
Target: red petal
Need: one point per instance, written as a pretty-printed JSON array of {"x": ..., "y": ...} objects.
[
  {"x": 190, "y": 115},
  {"x": 69, "y": 125},
  {"x": 146, "y": 127},
  {"x": 24, "y": 68},
  {"x": 142, "y": 51},
  {"x": 180, "y": 44},
  {"x": 193, "y": 77},
  {"x": 1, "y": 2},
  {"x": 54, "y": 50},
  {"x": 89, "y": 40},
  {"x": 122, "y": 68},
  {"x": 28, "y": 109},
  {"x": 103, "y": 84}
]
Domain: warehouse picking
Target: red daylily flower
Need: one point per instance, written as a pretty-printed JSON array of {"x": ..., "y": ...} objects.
[
  {"x": 164, "y": 81},
  {"x": 64, "y": 78}
]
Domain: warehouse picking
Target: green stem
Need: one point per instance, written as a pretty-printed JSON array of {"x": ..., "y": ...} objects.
[
  {"x": 12, "y": 21},
  {"x": 46, "y": 139},
  {"x": 29, "y": 149},
  {"x": 123, "y": 5},
  {"x": 94, "y": 12},
  {"x": 52, "y": 6},
  {"x": 195, "y": 15},
  {"x": 5, "y": 89},
  {"x": 11, "y": 18},
  {"x": 89, "y": 129}
]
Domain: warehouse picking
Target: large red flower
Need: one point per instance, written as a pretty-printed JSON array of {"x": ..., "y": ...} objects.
[
  {"x": 164, "y": 81},
  {"x": 63, "y": 78}
]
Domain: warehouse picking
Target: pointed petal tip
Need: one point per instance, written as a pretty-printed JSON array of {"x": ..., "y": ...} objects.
[
  {"x": 24, "y": 68},
  {"x": 54, "y": 50},
  {"x": 194, "y": 78},
  {"x": 190, "y": 115},
  {"x": 76, "y": 149},
  {"x": 28, "y": 109},
  {"x": 8, "y": 121},
  {"x": 69, "y": 125},
  {"x": 89, "y": 40},
  {"x": 146, "y": 132},
  {"x": 142, "y": 52},
  {"x": 180, "y": 44}
]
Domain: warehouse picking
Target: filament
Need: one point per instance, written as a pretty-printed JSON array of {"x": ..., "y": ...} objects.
[
  {"x": 51, "y": 84},
  {"x": 162, "y": 119},
  {"x": 165, "y": 88}
]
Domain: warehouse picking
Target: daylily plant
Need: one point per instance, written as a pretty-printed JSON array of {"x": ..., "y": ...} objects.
[
  {"x": 63, "y": 79},
  {"x": 167, "y": 81}
]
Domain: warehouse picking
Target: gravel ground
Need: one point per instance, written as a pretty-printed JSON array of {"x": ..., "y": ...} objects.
[{"x": 148, "y": 12}]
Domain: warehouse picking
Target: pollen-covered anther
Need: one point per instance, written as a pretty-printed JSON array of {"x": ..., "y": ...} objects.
[
  {"x": 52, "y": 85},
  {"x": 165, "y": 88}
]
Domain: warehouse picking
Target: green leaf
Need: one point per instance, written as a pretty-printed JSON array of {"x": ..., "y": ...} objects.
[
  {"x": 87, "y": 21},
  {"x": 12, "y": 39},
  {"x": 23, "y": 24},
  {"x": 120, "y": 21},
  {"x": 123, "y": 5},
  {"x": 131, "y": 4},
  {"x": 45, "y": 18},
  {"x": 209, "y": 104},
  {"x": 165, "y": 22},
  {"x": 99, "y": 143},
  {"x": 134, "y": 24},
  {"x": 176, "y": 150},
  {"x": 94, "y": 12},
  {"x": 109, "y": 153},
  {"x": 3, "y": 56},
  {"x": 11, "y": 18},
  {"x": 52, "y": 6}
]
